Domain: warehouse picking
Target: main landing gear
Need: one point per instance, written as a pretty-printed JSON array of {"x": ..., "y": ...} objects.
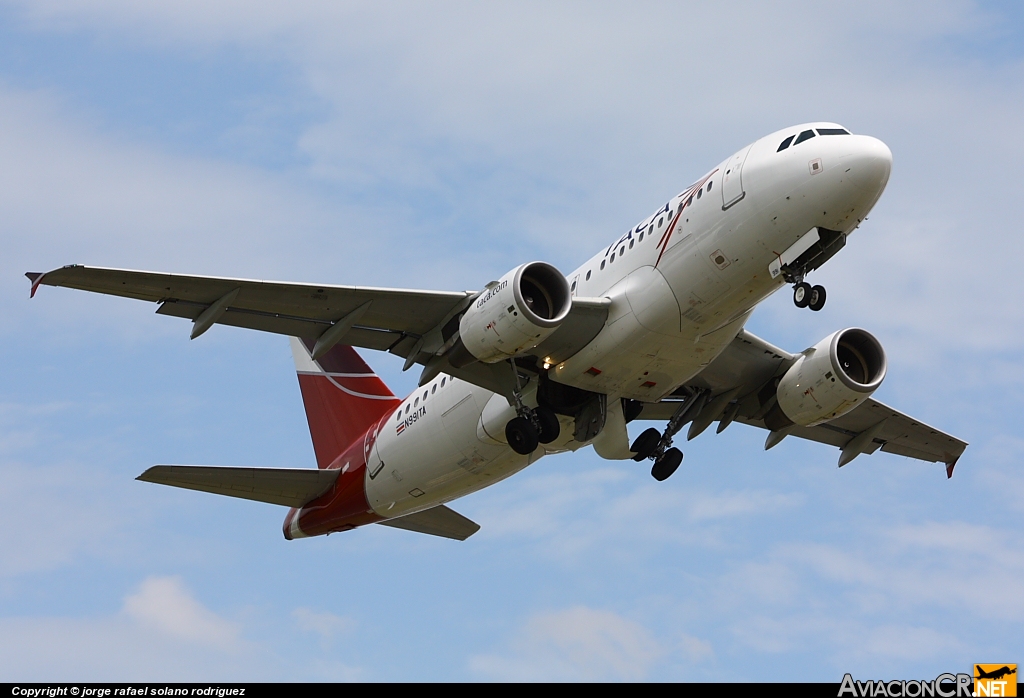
[
  {"x": 530, "y": 427},
  {"x": 652, "y": 444},
  {"x": 658, "y": 446},
  {"x": 807, "y": 296}
]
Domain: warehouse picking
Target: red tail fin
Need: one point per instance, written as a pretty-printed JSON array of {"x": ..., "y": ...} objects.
[{"x": 342, "y": 395}]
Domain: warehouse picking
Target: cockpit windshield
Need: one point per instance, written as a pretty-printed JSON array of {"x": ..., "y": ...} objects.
[{"x": 809, "y": 134}]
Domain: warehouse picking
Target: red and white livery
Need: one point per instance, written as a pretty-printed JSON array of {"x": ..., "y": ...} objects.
[{"x": 536, "y": 363}]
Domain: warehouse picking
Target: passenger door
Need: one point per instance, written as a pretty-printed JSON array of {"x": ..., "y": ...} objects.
[{"x": 732, "y": 179}]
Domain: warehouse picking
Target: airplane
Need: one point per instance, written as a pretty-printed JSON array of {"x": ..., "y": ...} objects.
[
  {"x": 995, "y": 674},
  {"x": 537, "y": 362}
]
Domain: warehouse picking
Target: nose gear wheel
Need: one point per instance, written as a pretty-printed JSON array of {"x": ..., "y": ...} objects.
[
  {"x": 802, "y": 294},
  {"x": 817, "y": 300},
  {"x": 807, "y": 296}
]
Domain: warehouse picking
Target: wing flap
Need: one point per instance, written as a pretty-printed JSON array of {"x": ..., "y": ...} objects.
[
  {"x": 290, "y": 487},
  {"x": 438, "y": 521}
]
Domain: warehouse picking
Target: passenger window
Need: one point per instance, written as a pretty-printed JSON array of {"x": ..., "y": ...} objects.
[
  {"x": 417, "y": 403},
  {"x": 573, "y": 287},
  {"x": 424, "y": 396},
  {"x": 833, "y": 132},
  {"x": 602, "y": 264},
  {"x": 805, "y": 136},
  {"x": 622, "y": 250},
  {"x": 442, "y": 381},
  {"x": 399, "y": 414},
  {"x": 612, "y": 259},
  {"x": 407, "y": 406},
  {"x": 699, "y": 193},
  {"x": 588, "y": 275},
  {"x": 690, "y": 200},
  {"x": 709, "y": 185},
  {"x": 630, "y": 244},
  {"x": 433, "y": 389},
  {"x": 659, "y": 222},
  {"x": 641, "y": 237},
  {"x": 783, "y": 145}
]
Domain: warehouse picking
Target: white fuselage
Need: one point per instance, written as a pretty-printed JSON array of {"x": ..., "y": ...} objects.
[{"x": 682, "y": 283}]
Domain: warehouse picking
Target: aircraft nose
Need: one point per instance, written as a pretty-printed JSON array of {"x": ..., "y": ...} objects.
[{"x": 869, "y": 164}]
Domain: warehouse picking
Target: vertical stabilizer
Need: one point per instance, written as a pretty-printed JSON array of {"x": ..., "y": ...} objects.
[{"x": 342, "y": 395}]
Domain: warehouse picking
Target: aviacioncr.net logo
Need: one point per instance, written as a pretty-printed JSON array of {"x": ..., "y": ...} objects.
[{"x": 942, "y": 686}]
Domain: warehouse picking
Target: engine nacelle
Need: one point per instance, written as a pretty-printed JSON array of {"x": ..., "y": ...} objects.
[
  {"x": 514, "y": 314},
  {"x": 832, "y": 377}
]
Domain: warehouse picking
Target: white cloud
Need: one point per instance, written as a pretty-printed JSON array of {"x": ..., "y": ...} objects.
[
  {"x": 323, "y": 623},
  {"x": 574, "y": 513},
  {"x": 70, "y": 194},
  {"x": 162, "y": 633},
  {"x": 899, "y": 594},
  {"x": 164, "y": 604},
  {"x": 694, "y": 649},
  {"x": 575, "y": 644}
]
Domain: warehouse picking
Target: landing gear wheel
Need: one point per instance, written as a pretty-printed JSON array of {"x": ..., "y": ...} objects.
[
  {"x": 667, "y": 464},
  {"x": 521, "y": 435},
  {"x": 817, "y": 300},
  {"x": 547, "y": 420},
  {"x": 802, "y": 294},
  {"x": 645, "y": 444}
]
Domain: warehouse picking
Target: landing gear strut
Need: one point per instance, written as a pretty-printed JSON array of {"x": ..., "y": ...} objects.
[
  {"x": 658, "y": 446},
  {"x": 529, "y": 427}
]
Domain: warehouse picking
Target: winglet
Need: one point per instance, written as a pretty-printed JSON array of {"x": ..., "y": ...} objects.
[
  {"x": 36, "y": 277},
  {"x": 949, "y": 467}
]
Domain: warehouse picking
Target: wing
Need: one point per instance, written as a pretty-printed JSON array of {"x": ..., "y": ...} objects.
[
  {"x": 413, "y": 324},
  {"x": 297, "y": 310},
  {"x": 739, "y": 377}
]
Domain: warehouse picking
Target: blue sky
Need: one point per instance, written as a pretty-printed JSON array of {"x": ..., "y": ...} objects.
[{"x": 437, "y": 147}]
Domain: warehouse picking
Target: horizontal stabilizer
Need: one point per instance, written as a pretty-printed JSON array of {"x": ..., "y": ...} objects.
[
  {"x": 290, "y": 487},
  {"x": 439, "y": 521}
]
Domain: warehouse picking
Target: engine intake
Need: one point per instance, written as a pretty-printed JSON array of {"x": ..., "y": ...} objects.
[
  {"x": 513, "y": 315},
  {"x": 832, "y": 377}
]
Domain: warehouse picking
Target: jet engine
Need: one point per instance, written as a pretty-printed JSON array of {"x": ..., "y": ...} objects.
[
  {"x": 832, "y": 377},
  {"x": 513, "y": 315}
]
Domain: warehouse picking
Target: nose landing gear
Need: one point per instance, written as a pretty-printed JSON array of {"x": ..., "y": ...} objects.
[{"x": 807, "y": 296}]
